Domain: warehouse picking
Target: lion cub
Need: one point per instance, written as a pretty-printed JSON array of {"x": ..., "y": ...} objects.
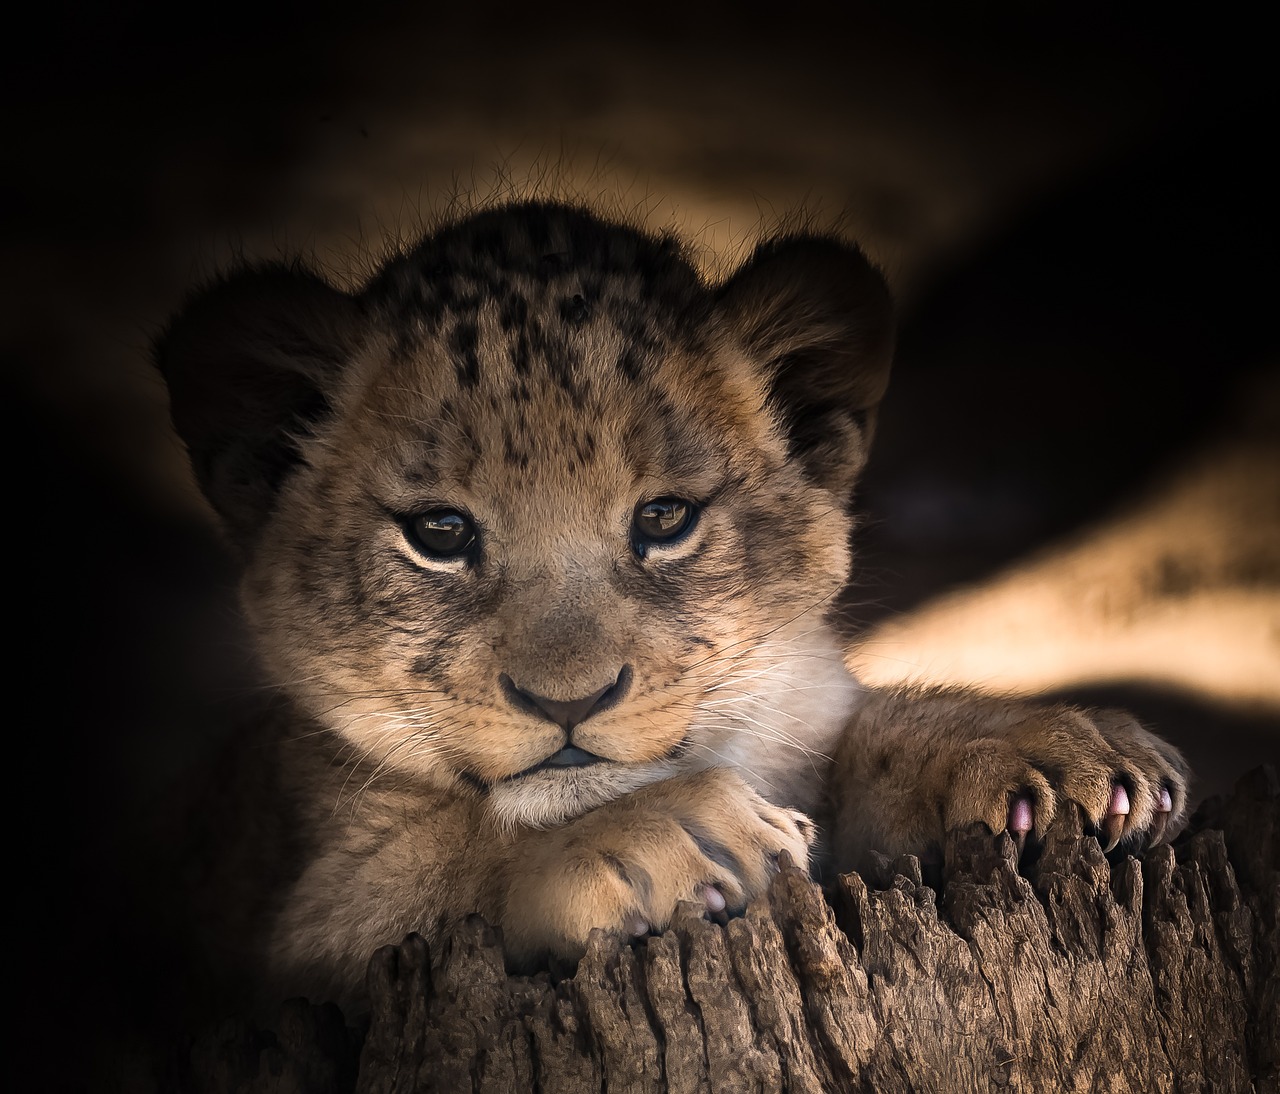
[{"x": 540, "y": 532}]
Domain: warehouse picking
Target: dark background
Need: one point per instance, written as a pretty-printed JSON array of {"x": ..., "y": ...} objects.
[{"x": 1076, "y": 210}]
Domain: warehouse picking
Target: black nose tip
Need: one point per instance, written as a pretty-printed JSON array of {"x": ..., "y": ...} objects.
[{"x": 567, "y": 713}]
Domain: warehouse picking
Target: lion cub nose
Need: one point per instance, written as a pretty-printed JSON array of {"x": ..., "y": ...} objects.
[{"x": 567, "y": 713}]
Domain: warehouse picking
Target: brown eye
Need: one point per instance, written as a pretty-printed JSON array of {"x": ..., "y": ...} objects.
[
  {"x": 441, "y": 533},
  {"x": 663, "y": 520}
]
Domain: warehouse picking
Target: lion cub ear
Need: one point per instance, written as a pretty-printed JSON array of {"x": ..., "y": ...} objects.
[
  {"x": 250, "y": 363},
  {"x": 817, "y": 317}
]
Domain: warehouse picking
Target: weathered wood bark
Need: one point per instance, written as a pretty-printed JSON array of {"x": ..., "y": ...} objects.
[{"x": 1155, "y": 976}]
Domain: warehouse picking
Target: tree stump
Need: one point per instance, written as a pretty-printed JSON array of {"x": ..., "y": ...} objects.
[{"x": 1083, "y": 975}]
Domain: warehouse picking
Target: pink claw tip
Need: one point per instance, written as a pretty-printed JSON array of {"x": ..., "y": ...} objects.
[
  {"x": 714, "y": 898},
  {"x": 1119, "y": 800},
  {"x": 1021, "y": 817},
  {"x": 1166, "y": 800}
]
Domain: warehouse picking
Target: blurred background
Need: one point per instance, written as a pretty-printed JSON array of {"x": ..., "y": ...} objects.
[{"x": 1075, "y": 488}]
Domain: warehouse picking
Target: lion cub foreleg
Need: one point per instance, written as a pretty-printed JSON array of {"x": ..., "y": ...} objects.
[
  {"x": 705, "y": 837},
  {"x": 912, "y": 765}
]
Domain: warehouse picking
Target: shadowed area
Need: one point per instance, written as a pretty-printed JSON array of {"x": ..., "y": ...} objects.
[{"x": 1073, "y": 489}]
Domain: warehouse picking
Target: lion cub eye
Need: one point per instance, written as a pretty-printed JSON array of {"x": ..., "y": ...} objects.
[
  {"x": 441, "y": 533},
  {"x": 663, "y": 520}
]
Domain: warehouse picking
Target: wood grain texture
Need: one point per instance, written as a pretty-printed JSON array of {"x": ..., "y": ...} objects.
[{"x": 1082, "y": 975}]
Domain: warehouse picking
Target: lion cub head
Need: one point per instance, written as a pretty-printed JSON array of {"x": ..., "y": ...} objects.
[{"x": 539, "y": 513}]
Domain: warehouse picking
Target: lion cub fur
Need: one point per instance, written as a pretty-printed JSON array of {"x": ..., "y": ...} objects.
[{"x": 539, "y": 375}]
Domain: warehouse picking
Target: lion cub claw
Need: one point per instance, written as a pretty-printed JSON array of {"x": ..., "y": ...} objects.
[{"x": 705, "y": 837}]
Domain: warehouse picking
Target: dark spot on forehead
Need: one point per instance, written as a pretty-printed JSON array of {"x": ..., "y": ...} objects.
[
  {"x": 574, "y": 309},
  {"x": 466, "y": 360},
  {"x": 513, "y": 313},
  {"x": 512, "y": 453},
  {"x": 631, "y": 364},
  {"x": 561, "y": 358},
  {"x": 520, "y": 354},
  {"x": 584, "y": 446}
]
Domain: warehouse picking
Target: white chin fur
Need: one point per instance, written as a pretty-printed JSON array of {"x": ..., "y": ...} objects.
[{"x": 551, "y": 797}]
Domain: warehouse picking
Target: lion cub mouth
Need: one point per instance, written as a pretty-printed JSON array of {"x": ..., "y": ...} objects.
[
  {"x": 569, "y": 756},
  {"x": 568, "y": 783}
]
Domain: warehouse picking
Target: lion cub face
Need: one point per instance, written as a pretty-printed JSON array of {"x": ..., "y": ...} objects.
[{"x": 539, "y": 513}]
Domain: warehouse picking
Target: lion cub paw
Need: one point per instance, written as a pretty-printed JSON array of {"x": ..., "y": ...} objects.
[
  {"x": 705, "y": 837},
  {"x": 1131, "y": 784},
  {"x": 917, "y": 770}
]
